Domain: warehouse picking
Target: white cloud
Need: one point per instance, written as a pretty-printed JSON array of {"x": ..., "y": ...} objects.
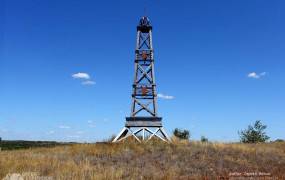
[
  {"x": 86, "y": 79},
  {"x": 73, "y": 136},
  {"x": 91, "y": 124},
  {"x": 81, "y": 75},
  {"x": 255, "y": 75},
  {"x": 263, "y": 74},
  {"x": 64, "y": 127},
  {"x": 162, "y": 96},
  {"x": 50, "y": 132},
  {"x": 88, "y": 82},
  {"x": 79, "y": 132}
]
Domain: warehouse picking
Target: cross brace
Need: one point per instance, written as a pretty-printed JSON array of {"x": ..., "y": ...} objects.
[{"x": 142, "y": 134}]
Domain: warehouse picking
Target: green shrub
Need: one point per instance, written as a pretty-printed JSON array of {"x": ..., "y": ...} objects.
[
  {"x": 181, "y": 133},
  {"x": 204, "y": 139},
  {"x": 254, "y": 134}
]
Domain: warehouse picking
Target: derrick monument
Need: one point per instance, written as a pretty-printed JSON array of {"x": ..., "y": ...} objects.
[{"x": 143, "y": 123}]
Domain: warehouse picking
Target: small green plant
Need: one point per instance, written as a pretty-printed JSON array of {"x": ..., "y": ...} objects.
[
  {"x": 204, "y": 139},
  {"x": 254, "y": 134},
  {"x": 181, "y": 133}
]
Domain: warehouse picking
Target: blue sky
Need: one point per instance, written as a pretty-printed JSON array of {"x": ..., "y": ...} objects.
[{"x": 221, "y": 61}]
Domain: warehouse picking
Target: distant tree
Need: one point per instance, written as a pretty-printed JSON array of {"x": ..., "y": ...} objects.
[
  {"x": 181, "y": 134},
  {"x": 254, "y": 134},
  {"x": 204, "y": 139},
  {"x": 279, "y": 140}
]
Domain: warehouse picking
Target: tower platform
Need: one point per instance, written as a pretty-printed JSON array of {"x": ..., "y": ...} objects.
[{"x": 143, "y": 121}]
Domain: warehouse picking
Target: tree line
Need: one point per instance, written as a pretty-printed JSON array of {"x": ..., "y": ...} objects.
[{"x": 252, "y": 134}]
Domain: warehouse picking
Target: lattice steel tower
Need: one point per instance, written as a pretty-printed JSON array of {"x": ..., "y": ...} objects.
[{"x": 143, "y": 124}]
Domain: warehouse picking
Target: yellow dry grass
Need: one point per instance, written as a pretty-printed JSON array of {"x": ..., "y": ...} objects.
[{"x": 152, "y": 160}]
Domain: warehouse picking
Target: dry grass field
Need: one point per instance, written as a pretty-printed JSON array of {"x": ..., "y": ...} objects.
[{"x": 152, "y": 160}]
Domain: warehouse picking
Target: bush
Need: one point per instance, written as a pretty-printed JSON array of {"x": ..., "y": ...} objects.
[
  {"x": 181, "y": 134},
  {"x": 204, "y": 139},
  {"x": 254, "y": 134}
]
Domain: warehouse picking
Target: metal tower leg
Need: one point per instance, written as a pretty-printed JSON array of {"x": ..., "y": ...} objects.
[{"x": 127, "y": 132}]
